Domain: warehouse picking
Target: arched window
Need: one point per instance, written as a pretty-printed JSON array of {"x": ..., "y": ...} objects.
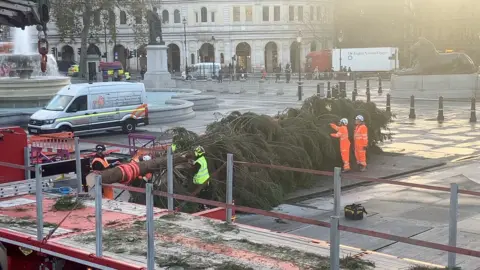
[
  {"x": 176, "y": 16},
  {"x": 165, "y": 18},
  {"x": 203, "y": 14},
  {"x": 123, "y": 17}
]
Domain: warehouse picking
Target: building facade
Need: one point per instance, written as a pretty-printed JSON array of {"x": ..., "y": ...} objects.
[{"x": 251, "y": 34}]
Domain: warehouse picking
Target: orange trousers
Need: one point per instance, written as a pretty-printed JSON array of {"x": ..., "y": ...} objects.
[
  {"x": 345, "y": 153},
  {"x": 108, "y": 193},
  {"x": 361, "y": 156}
]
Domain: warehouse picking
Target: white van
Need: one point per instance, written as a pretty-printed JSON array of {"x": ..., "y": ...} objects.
[
  {"x": 205, "y": 70},
  {"x": 85, "y": 107}
]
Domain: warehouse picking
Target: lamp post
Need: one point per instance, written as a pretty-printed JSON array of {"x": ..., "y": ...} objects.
[
  {"x": 340, "y": 39},
  {"x": 185, "y": 45},
  {"x": 105, "y": 21},
  {"x": 299, "y": 43},
  {"x": 213, "y": 58}
]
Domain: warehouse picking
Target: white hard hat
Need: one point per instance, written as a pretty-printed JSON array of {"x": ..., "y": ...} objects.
[
  {"x": 146, "y": 158},
  {"x": 360, "y": 118},
  {"x": 344, "y": 121}
]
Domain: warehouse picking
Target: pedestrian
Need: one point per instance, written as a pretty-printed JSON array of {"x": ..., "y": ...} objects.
[
  {"x": 361, "y": 142},
  {"x": 278, "y": 72},
  {"x": 264, "y": 74},
  {"x": 220, "y": 75},
  {"x": 288, "y": 70},
  {"x": 342, "y": 134}
]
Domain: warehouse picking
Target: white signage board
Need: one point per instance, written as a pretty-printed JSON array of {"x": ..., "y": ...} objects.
[{"x": 366, "y": 59}]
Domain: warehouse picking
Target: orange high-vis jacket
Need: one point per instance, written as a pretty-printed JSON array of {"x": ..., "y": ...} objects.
[
  {"x": 108, "y": 192},
  {"x": 361, "y": 136},
  {"x": 342, "y": 133}
]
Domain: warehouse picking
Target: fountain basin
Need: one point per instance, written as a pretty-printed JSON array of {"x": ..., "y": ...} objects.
[
  {"x": 200, "y": 102},
  {"x": 29, "y": 93},
  {"x": 172, "y": 111}
]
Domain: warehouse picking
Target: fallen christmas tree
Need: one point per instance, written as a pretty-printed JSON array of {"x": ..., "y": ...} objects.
[{"x": 295, "y": 138}]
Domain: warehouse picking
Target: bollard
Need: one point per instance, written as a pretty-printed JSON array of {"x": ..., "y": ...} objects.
[
  {"x": 329, "y": 93},
  {"x": 334, "y": 243},
  {"x": 473, "y": 112},
  {"x": 354, "y": 96},
  {"x": 380, "y": 91},
  {"x": 368, "y": 85},
  {"x": 368, "y": 96},
  {"x": 318, "y": 89},
  {"x": 328, "y": 86},
  {"x": 452, "y": 226},
  {"x": 412, "y": 115},
  {"x": 388, "y": 109},
  {"x": 299, "y": 93},
  {"x": 355, "y": 86},
  {"x": 342, "y": 86},
  {"x": 440, "y": 117}
]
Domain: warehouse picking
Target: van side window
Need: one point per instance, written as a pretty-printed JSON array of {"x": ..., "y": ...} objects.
[{"x": 78, "y": 105}]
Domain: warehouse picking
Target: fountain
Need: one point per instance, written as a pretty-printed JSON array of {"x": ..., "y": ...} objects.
[{"x": 22, "y": 84}]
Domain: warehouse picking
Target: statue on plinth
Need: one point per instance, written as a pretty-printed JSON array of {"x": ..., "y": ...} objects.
[
  {"x": 428, "y": 61},
  {"x": 154, "y": 27}
]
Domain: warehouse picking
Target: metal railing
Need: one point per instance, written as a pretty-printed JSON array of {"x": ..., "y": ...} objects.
[{"x": 334, "y": 225}]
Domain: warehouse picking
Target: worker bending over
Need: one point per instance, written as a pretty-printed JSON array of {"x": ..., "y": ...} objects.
[
  {"x": 201, "y": 167},
  {"x": 100, "y": 163},
  {"x": 342, "y": 134},
  {"x": 361, "y": 142}
]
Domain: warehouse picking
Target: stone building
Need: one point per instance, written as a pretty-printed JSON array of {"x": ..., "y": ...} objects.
[{"x": 256, "y": 34}]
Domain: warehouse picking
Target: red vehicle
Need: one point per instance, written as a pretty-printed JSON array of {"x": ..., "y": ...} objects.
[{"x": 321, "y": 59}]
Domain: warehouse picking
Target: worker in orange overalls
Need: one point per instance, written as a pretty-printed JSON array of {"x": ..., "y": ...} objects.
[
  {"x": 361, "y": 142},
  {"x": 342, "y": 134},
  {"x": 100, "y": 163}
]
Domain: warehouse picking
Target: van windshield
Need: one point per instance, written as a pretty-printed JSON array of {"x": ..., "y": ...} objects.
[{"x": 58, "y": 103}]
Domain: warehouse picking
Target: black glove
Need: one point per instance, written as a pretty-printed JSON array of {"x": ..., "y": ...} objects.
[{"x": 365, "y": 148}]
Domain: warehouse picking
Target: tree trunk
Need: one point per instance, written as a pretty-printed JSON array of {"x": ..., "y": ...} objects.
[
  {"x": 115, "y": 175},
  {"x": 84, "y": 41}
]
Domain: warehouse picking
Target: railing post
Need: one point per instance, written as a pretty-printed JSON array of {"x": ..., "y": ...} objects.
[
  {"x": 78, "y": 164},
  {"x": 39, "y": 199},
  {"x": 229, "y": 187},
  {"x": 452, "y": 226},
  {"x": 334, "y": 244},
  {"x": 150, "y": 227},
  {"x": 26, "y": 156},
  {"x": 170, "y": 178},
  {"x": 354, "y": 96},
  {"x": 337, "y": 190},
  {"x": 98, "y": 216}
]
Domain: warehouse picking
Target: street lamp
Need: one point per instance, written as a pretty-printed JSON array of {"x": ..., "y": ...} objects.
[
  {"x": 299, "y": 43},
  {"x": 105, "y": 22},
  {"x": 185, "y": 45},
  {"x": 213, "y": 58},
  {"x": 340, "y": 39}
]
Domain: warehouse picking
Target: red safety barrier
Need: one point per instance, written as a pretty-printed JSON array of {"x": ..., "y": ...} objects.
[
  {"x": 358, "y": 177},
  {"x": 415, "y": 242},
  {"x": 155, "y": 149}
]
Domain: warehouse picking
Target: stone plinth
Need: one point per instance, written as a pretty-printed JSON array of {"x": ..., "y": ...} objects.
[
  {"x": 157, "y": 75},
  {"x": 454, "y": 86},
  {"x": 28, "y": 93}
]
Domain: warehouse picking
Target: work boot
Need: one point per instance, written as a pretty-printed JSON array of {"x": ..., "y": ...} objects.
[
  {"x": 345, "y": 170},
  {"x": 363, "y": 168}
]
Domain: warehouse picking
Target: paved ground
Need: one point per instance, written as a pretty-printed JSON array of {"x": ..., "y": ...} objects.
[{"x": 408, "y": 212}]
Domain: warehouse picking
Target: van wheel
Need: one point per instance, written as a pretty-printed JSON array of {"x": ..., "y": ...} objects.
[
  {"x": 65, "y": 129},
  {"x": 129, "y": 125}
]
